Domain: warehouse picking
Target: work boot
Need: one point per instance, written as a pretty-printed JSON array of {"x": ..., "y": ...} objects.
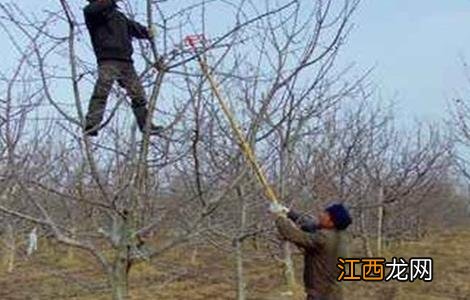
[
  {"x": 91, "y": 131},
  {"x": 140, "y": 113}
]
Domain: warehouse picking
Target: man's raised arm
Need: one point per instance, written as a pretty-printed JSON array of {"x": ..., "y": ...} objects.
[
  {"x": 306, "y": 223},
  {"x": 290, "y": 232},
  {"x": 138, "y": 31}
]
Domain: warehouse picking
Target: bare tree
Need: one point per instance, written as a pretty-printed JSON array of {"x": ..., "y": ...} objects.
[
  {"x": 361, "y": 158},
  {"x": 311, "y": 124},
  {"x": 117, "y": 185}
]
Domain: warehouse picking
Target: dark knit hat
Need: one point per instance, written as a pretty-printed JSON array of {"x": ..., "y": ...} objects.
[
  {"x": 114, "y": 2},
  {"x": 340, "y": 215}
]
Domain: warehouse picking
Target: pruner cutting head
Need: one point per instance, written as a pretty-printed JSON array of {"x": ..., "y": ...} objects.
[{"x": 194, "y": 39}]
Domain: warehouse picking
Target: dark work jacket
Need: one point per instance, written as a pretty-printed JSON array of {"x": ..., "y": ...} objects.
[
  {"x": 321, "y": 251},
  {"x": 111, "y": 31}
]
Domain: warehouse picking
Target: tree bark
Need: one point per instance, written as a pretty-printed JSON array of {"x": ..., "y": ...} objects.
[
  {"x": 194, "y": 256},
  {"x": 118, "y": 272},
  {"x": 119, "y": 278},
  {"x": 11, "y": 248},
  {"x": 288, "y": 264},
  {"x": 241, "y": 284},
  {"x": 364, "y": 235},
  {"x": 71, "y": 250},
  {"x": 380, "y": 215}
]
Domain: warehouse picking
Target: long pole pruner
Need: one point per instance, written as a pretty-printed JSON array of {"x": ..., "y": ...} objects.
[{"x": 193, "y": 41}]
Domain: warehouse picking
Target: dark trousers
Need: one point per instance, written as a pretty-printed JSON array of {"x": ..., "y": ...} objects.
[
  {"x": 311, "y": 297},
  {"x": 124, "y": 73}
]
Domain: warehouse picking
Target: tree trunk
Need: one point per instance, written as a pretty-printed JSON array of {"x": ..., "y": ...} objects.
[
  {"x": 11, "y": 248},
  {"x": 119, "y": 270},
  {"x": 288, "y": 265},
  {"x": 119, "y": 279},
  {"x": 380, "y": 215},
  {"x": 241, "y": 284},
  {"x": 71, "y": 250},
  {"x": 194, "y": 256},
  {"x": 364, "y": 235}
]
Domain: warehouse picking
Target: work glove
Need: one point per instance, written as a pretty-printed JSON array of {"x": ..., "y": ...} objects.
[
  {"x": 278, "y": 209},
  {"x": 152, "y": 32}
]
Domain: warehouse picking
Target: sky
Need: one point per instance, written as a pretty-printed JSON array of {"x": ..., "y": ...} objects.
[{"x": 416, "y": 48}]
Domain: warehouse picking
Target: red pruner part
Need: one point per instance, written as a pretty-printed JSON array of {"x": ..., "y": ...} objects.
[{"x": 193, "y": 40}]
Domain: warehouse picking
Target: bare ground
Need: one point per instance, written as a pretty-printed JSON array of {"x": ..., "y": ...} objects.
[{"x": 55, "y": 273}]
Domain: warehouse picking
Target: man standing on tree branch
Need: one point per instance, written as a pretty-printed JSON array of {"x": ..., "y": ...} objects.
[
  {"x": 322, "y": 241},
  {"x": 111, "y": 35}
]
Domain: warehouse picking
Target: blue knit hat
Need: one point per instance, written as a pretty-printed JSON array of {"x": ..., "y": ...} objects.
[{"x": 340, "y": 215}]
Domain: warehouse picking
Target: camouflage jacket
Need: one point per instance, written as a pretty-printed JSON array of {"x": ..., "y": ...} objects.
[{"x": 321, "y": 251}]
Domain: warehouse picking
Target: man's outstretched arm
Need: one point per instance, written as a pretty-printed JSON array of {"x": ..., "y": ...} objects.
[{"x": 138, "y": 31}]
